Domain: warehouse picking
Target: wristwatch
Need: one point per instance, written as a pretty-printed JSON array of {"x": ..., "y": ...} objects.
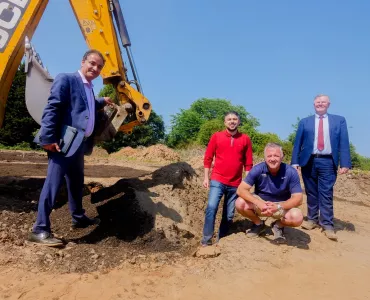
[{"x": 280, "y": 208}]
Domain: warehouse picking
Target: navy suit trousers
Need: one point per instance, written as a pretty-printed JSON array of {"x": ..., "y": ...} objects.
[
  {"x": 72, "y": 168},
  {"x": 319, "y": 177}
]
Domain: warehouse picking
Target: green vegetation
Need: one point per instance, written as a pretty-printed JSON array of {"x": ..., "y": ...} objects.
[
  {"x": 18, "y": 126},
  {"x": 190, "y": 128},
  {"x": 151, "y": 133},
  {"x": 206, "y": 116}
]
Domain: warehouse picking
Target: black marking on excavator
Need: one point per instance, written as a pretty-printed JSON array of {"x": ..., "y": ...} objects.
[{"x": 11, "y": 12}]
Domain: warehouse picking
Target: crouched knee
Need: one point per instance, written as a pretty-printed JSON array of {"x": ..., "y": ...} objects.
[
  {"x": 241, "y": 205},
  {"x": 295, "y": 216}
]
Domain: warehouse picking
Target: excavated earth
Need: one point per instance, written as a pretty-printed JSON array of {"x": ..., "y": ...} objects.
[{"x": 151, "y": 205}]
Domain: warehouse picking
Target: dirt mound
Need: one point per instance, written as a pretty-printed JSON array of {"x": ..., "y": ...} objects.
[
  {"x": 147, "y": 219},
  {"x": 99, "y": 152},
  {"x": 156, "y": 153}
]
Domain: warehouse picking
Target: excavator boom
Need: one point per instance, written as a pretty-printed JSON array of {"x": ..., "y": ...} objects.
[
  {"x": 18, "y": 19},
  {"x": 98, "y": 20}
]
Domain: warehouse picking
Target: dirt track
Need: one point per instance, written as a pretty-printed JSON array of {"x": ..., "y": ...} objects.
[{"x": 151, "y": 223}]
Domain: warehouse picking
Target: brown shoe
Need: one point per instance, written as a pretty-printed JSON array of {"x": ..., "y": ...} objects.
[
  {"x": 309, "y": 225},
  {"x": 330, "y": 234}
]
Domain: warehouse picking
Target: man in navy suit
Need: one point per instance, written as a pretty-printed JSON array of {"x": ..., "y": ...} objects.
[
  {"x": 321, "y": 144},
  {"x": 72, "y": 103}
]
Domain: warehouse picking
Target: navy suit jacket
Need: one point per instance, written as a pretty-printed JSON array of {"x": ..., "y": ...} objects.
[
  {"x": 304, "y": 141},
  {"x": 67, "y": 105}
]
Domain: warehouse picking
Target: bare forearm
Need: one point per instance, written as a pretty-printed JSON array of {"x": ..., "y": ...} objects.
[
  {"x": 247, "y": 195},
  {"x": 294, "y": 201}
]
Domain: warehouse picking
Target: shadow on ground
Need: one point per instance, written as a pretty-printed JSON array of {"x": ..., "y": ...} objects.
[{"x": 295, "y": 237}]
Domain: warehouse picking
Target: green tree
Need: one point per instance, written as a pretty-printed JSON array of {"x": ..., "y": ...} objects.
[
  {"x": 18, "y": 125},
  {"x": 187, "y": 124},
  {"x": 150, "y": 133},
  {"x": 355, "y": 157},
  {"x": 291, "y": 137},
  {"x": 207, "y": 129}
]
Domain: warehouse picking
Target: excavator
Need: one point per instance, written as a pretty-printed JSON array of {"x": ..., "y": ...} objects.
[{"x": 101, "y": 22}]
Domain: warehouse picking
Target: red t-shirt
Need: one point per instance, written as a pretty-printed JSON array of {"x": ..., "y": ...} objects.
[{"x": 231, "y": 153}]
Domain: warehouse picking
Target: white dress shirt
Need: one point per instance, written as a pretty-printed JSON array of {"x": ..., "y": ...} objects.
[
  {"x": 91, "y": 104},
  {"x": 327, "y": 145}
]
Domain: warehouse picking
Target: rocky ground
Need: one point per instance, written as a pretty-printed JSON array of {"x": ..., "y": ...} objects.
[{"x": 152, "y": 207}]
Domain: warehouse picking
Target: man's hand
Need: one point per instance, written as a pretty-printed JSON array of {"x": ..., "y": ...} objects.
[
  {"x": 272, "y": 207},
  {"x": 265, "y": 210},
  {"x": 206, "y": 183},
  {"x": 108, "y": 101},
  {"x": 52, "y": 147},
  {"x": 343, "y": 170}
]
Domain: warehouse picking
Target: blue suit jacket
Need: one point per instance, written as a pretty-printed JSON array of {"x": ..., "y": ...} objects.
[
  {"x": 67, "y": 105},
  {"x": 304, "y": 141}
]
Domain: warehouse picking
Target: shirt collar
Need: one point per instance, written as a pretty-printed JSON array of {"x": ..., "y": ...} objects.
[
  {"x": 84, "y": 80},
  {"x": 229, "y": 135},
  {"x": 318, "y": 116}
]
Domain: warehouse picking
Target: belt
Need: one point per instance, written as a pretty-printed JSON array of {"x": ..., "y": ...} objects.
[{"x": 321, "y": 156}]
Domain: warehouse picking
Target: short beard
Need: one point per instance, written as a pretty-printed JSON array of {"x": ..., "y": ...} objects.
[{"x": 232, "y": 131}]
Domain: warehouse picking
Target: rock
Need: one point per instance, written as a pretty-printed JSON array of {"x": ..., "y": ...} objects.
[
  {"x": 4, "y": 236},
  {"x": 19, "y": 242},
  {"x": 207, "y": 252},
  {"x": 144, "y": 266},
  {"x": 95, "y": 256},
  {"x": 132, "y": 261}
]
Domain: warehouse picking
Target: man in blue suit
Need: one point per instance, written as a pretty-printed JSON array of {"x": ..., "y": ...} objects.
[
  {"x": 321, "y": 144},
  {"x": 71, "y": 103}
]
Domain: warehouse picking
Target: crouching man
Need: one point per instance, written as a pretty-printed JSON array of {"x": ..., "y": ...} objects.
[{"x": 277, "y": 194}]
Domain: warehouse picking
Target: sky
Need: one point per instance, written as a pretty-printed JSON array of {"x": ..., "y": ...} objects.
[{"x": 272, "y": 57}]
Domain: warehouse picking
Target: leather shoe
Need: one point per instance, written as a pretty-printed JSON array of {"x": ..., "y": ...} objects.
[
  {"x": 85, "y": 223},
  {"x": 330, "y": 234},
  {"x": 309, "y": 225},
  {"x": 45, "y": 239}
]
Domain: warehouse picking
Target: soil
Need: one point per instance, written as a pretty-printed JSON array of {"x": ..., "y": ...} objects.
[{"x": 151, "y": 208}]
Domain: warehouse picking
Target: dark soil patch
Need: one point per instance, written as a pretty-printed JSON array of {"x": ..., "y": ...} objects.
[
  {"x": 127, "y": 232},
  {"x": 99, "y": 171}
]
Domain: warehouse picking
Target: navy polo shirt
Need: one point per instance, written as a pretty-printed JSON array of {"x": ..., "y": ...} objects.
[{"x": 274, "y": 188}]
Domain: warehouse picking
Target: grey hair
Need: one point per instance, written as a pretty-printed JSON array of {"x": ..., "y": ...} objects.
[
  {"x": 321, "y": 95},
  {"x": 275, "y": 146}
]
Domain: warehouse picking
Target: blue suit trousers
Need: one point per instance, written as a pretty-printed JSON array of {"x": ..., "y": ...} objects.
[
  {"x": 319, "y": 177},
  {"x": 60, "y": 167}
]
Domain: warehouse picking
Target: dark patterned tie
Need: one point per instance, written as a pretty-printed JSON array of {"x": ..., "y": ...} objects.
[{"x": 320, "y": 139}]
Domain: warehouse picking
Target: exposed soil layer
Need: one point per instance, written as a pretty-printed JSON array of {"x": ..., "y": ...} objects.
[{"x": 151, "y": 223}]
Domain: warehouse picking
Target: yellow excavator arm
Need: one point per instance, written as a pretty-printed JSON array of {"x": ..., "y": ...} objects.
[{"x": 19, "y": 19}]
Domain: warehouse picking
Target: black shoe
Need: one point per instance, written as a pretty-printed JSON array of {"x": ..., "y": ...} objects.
[
  {"x": 256, "y": 230},
  {"x": 85, "y": 223},
  {"x": 45, "y": 239},
  {"x": 279, "y": 236}
]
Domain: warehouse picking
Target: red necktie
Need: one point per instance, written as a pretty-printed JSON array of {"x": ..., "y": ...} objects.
[{"x": 320, "y": 138}]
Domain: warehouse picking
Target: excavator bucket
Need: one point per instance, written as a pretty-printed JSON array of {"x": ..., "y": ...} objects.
[{"x": 38, "y": 83}]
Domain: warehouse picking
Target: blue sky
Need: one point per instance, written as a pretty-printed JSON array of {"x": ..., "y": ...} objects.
[{"x": 270, "y": 56}]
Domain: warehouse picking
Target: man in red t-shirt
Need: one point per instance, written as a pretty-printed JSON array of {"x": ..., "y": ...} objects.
[{"x": 231, "y": 151}]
